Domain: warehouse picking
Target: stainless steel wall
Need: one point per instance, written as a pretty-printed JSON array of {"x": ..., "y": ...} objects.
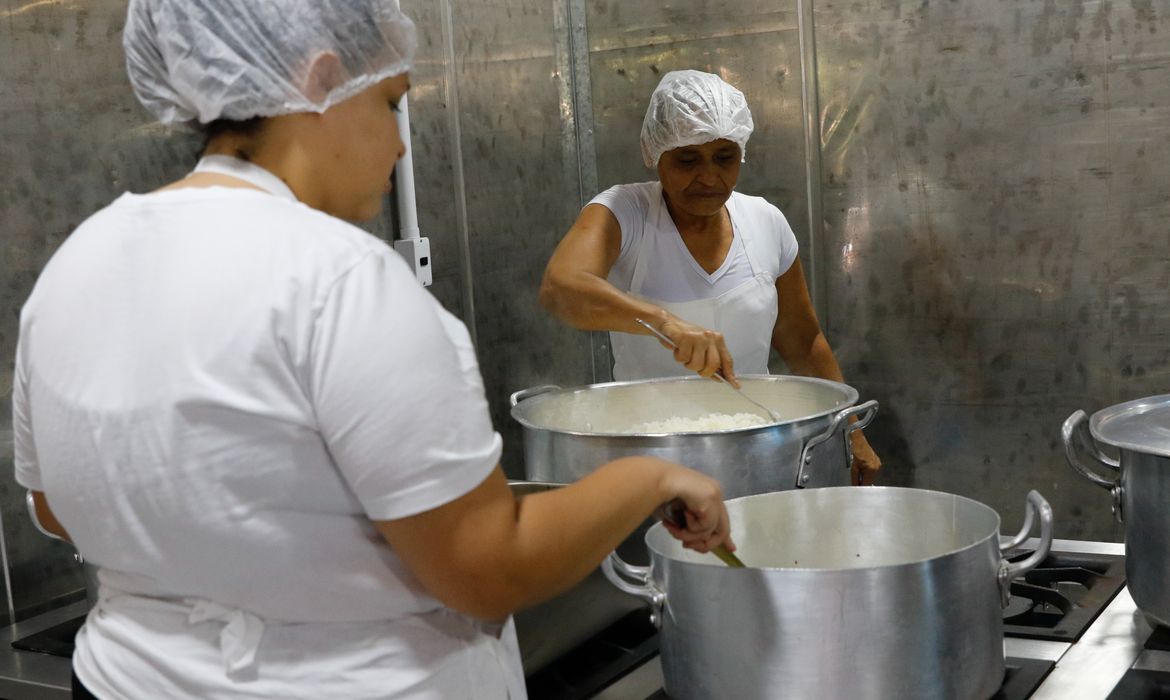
[
  {"x": 993, "y": 185},
  {"x": 995, "y": 178},
  {"x": 62, "y": 108},
  {"x": 509, "y": 64}
]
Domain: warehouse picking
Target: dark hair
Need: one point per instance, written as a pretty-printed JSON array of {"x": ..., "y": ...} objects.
[{"x": 220, "y": 127}]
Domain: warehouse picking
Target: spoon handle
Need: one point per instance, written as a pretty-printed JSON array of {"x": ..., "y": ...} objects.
[{"x": 772, "y": 415}]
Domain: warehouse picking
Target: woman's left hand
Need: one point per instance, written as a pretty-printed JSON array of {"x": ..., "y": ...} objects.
[{"x": 865, "y": 462}]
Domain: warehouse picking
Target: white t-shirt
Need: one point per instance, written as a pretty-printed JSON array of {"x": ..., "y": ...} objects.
[
  {"x": 218, "y": 389},
  {"x": 675, "y": 275}
]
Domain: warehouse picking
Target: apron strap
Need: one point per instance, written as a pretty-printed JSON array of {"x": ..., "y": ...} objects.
[
  {"x": 747, "y": 238},
  {"x": 239, "y": 640},
  {"x": 641, "y": 256}
]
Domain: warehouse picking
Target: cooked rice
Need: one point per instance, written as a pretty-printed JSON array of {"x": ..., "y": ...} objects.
[{"x": 702, "y": 424}]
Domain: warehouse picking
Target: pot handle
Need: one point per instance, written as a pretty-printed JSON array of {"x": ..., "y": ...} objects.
[
  {"x": 866, "y": 411},
  {"x": 1073, "y": 427},
  {"x": 1036, "y": 505},
  {"x": 617, "y": 571},
  {"x": 519, "y": 396},
  {"x": 31, "y": 505}
]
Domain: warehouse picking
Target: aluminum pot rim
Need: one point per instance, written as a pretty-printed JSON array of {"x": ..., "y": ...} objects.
[
  {"x": 1099, "y": 418},
  {"x": 851, "y": 398},
  {"x": 804, "y": 570}
]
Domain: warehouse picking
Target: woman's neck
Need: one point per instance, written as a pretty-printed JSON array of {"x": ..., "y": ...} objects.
[
  {"x": 696, "y": 224},
  {"x": 271, "y": 150}
]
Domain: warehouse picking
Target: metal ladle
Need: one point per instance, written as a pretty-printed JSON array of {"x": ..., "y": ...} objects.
[{"x": 718, "y": 374}]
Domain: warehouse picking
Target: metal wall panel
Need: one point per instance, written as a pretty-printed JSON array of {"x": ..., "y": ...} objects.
[
  {"x": 64, "y": 104},
  {"x": 995, "y": 192},
  {"x": 522, "y": 195}
]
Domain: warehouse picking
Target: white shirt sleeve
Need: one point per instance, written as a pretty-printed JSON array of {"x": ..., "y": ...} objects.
[
  {"x": 629, "y": 206},
  {"x": 397, "y": 391},
  {"x": 28, "y": 472}
]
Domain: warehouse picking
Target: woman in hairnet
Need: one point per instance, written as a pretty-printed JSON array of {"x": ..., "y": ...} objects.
[
  {"x": 713, "y": 270},
  {"x": 246, "y": 411}
]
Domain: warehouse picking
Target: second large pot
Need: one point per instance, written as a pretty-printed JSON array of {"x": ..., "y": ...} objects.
[
  {"x": 570, "y": 432},
  {"x": 1140, "y": 486},
  {"x": 849, "y": 593}
]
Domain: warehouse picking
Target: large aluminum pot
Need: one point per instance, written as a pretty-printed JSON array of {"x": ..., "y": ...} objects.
[
  {"x": 570, "y": 432},
  {"x": 849, "y": 593},
  {"x": 1140, "y": 486}
]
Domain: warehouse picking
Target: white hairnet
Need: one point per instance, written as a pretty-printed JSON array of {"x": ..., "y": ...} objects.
[
  {"x": 689, "y": 108},
  {"x": 236, "y": 59}
]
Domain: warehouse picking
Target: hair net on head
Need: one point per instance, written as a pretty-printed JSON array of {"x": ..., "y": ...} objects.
[
  {"x": 690, "y": 107},
  {"x": 236, "y": 59}
]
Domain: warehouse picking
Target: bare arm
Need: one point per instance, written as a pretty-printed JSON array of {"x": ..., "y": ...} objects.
[
  {"x": 576, "y": 290},
  {"x": 44, "y": 516},
  {"x": 797, "y": 336},
  {"x": 487, "y": 554}
]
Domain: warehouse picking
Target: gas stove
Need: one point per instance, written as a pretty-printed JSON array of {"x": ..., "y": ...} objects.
[{"x": 1072, "y": 632}]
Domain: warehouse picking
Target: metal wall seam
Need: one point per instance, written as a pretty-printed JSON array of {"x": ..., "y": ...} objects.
[
  {"x": 452, "y": 100},
  {"x": 810, "y": 104},
  {"x": 9, "y": 599},
  {"x": 572, "y": 48}
]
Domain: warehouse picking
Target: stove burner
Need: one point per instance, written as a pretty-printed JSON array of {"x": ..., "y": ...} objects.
[
  {"x": 1159, "y": 640},
  {"x": 1140, "y": 684},
  {"x": 1021, "y": 678},
  {"x": 1061, "y": 597},
  {"x": 56, "y": 640}
]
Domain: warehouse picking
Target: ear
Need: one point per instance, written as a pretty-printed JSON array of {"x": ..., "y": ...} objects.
[{"x": 325, "y": 73}]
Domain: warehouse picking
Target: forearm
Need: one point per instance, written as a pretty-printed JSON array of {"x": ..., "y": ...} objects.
[
  {"x": 811, "y": 358},
  {"x": 564, "y": 534},
  {"x": 816, "y": 359},
  {"x": 588, "y": 302},
  {"x": 490, "y": 554}
]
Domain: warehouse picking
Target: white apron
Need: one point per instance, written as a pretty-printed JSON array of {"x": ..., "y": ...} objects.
[
  {"x": 744, "y": 315},
  {"x": 242, "y": 632}
]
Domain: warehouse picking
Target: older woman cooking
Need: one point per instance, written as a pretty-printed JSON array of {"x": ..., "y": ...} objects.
[
  {"x": 268, "y": 436},
  {"x": 713, "y": 270}
]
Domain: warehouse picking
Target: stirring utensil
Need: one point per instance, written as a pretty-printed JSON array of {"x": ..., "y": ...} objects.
[
  {"x": 718, "y": 374},
  {"x": 675, "y": 513}
]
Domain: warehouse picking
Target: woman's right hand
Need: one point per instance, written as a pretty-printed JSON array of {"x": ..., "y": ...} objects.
[
  {"x": 699, "y": 349},
  {"x": 708, "y": 524}
]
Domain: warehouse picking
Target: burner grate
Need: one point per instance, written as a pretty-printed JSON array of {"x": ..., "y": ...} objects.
[{"x": 1060, "y": 598}]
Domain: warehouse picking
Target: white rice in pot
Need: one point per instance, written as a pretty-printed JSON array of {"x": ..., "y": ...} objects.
[{"x": 703, "y": 424}]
